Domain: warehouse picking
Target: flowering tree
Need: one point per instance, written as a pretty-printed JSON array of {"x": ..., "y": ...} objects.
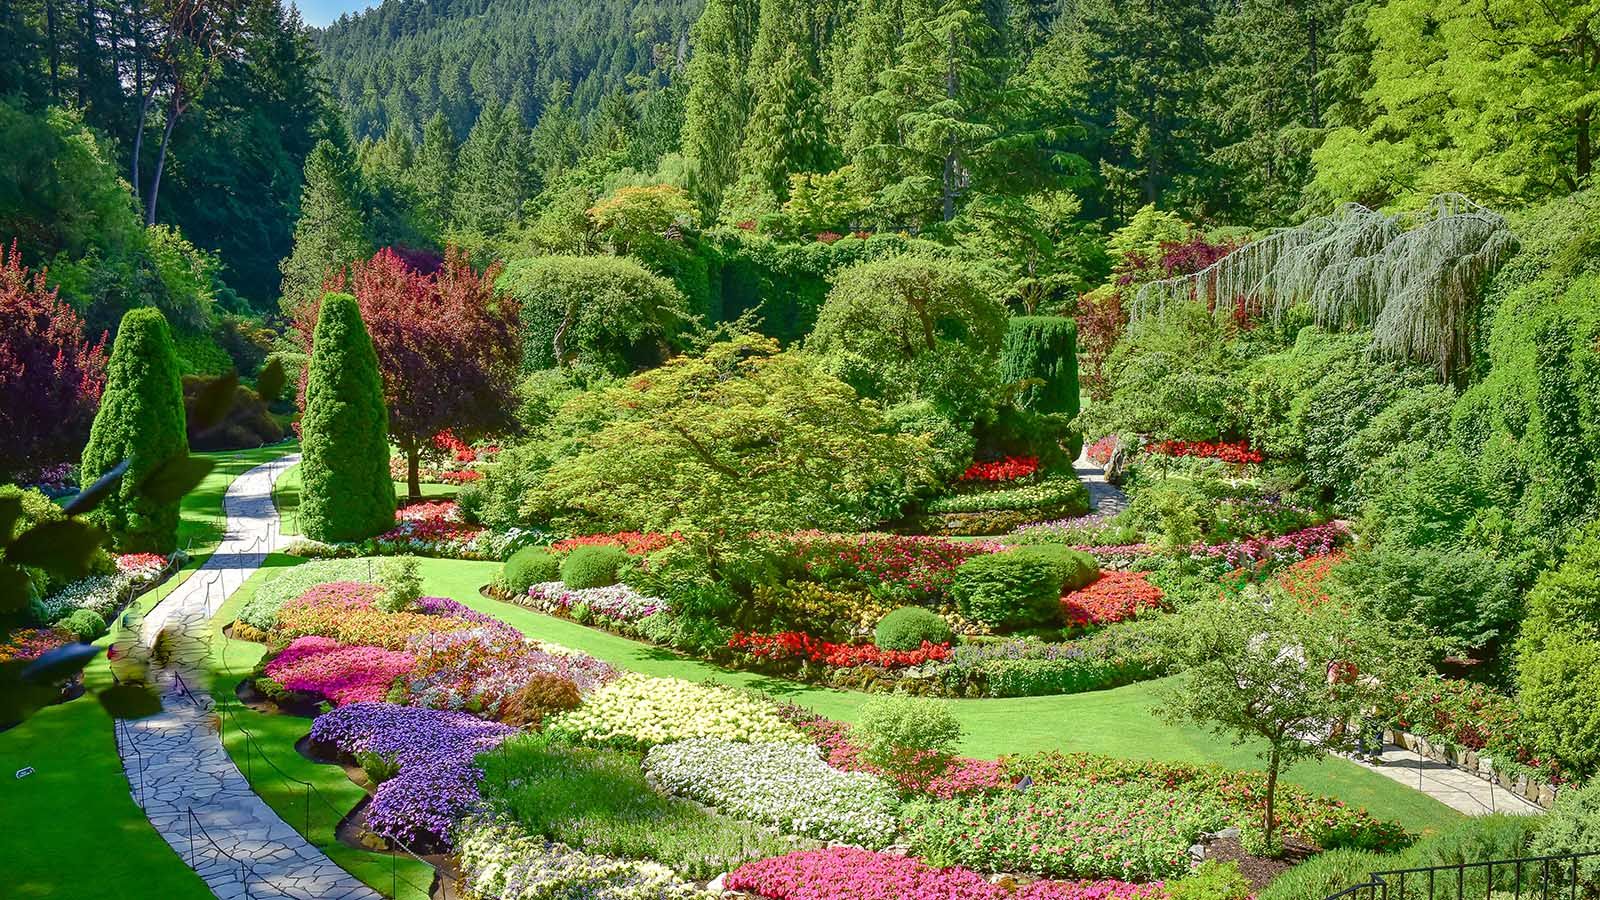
[
  {"x": 447, "y": 346},
  {"x": 50, "y": 377}
]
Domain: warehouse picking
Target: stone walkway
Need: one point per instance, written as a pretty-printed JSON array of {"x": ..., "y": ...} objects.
[
  {"x": 177, "y": 768},
  {"x": 1104, "y": 497},
  {"x": 1461, "y": 791}
]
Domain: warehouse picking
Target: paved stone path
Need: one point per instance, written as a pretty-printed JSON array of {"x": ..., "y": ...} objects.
[
  {"x": 1104, "y": 497},
  {"x": 1461, "y": 791},
  {"x": 177, "y": 768}
]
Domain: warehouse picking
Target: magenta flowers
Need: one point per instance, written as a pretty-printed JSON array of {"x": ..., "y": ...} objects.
[
  {"x": 843, "y": 873},
  {"x": 342, "y": 674}
]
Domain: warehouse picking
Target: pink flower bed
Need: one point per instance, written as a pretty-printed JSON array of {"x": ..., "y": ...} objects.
[
  {"x": 963, "y": 776},
  {"x": 340, "y": 673},
  {"x": 844, "y": 873}
]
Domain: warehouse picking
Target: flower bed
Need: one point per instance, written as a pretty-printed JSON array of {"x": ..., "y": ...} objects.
[
  {"x": 1304, "y": 580},
  {"x": 1318, "y": 540},
  {"x": 1237, "y": 452},
  {"x": 794, "y": 645},
  {"x": 618, "y": 602},
  {"x": 340, "y": 673},
  {"x": 436, "y": 784},
  {"x": 922, "y": 567},
  {"x": 481, "y": 669},
  {"x": 1113, "y": 597},
  {"x": 105, "y": 594},
  {"x": 32, "y": 643},
  {"x": 344, "y": 611},
  {"x": 961, "y": 776},
  {"x": 499, "y": 860},
  {"x": 845, "y": 873},
  {"x": 1050, "y": 494},
  {"x": 1117, "y": 655},
  {"x": 788, "y": 786},
  {"x": 1010, "y": 468},
  {"x": 1083, "y": 831},
  {"x": 635, "y": 542},
  {"x": 1100, "y": 451},
  {"x": 638, "y": 712}
]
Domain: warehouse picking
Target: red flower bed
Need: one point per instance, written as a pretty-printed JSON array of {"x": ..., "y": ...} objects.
[
  {"x": 1304, "y": 580},
  {"x": 1237, "y": 452},
  {"x": 963, "y": 775},
  {"x": 923, "y": 564},
  {"x": 1113, "y": 597},
  {"x": 1009, "y": 469},
  {"x": 1100, "y": 451},
  {"x": 636, "y": 542},
  {"x": 798, "y": 645}
]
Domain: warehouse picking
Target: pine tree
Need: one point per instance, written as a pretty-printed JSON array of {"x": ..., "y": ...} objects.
[
  {"x": 493, "y": 176},
  {"x": 787, "y": 133},
  {"x": 347, "y": 493},
  {"x": 434, "y": 173},
  {"x": 715, "y": 108},
  {"x": 141, "y": 420},
  {"x": 557, "y": 139},
  {"x": 331, "y": 232}
]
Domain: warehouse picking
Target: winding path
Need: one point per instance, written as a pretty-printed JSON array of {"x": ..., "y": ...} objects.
[
  {"x": 1104, "y": 497},
  {"x": 177, "y": 767}
]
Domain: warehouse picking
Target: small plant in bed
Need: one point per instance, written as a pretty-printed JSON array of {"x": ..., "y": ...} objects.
[{"x": 598, "y": 801}]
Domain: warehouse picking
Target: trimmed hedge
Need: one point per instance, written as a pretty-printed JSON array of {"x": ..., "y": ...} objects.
[
  {"x": 593, "y": 566},
  {"x": 527, "y": 567},
  {"x": 1011, "y": 589},
  {"x": 347, "y": 493},
  {"x": 907, "y": 627},
  {"x": 141, "y": 420}
]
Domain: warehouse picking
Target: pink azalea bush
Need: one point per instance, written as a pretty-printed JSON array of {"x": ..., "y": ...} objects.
[
  {"x": 844, "y": 873},
  {"x": 340, "y": 673}
]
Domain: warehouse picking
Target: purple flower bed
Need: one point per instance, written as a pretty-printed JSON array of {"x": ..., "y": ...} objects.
[
  {"x": 437, "y": 783},
  {"x": 618, "y": 601}
]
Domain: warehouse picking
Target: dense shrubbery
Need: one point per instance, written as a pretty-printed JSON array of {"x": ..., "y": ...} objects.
[
  {"x": 605, "y": 315},
  {"x": 592, "y": 566}
]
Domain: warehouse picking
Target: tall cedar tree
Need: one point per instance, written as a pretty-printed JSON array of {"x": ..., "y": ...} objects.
[
  {"x": 141, "y": 420},
  {"x": 50, "y": 377},
  {"x": 331, "y": 232},
  {"x": 1042, "y": 352},
  {"x": 447, "y": 344},
  {"x": 715, "y": 108},
  {"x": 787, "y": 132},
  {"x": 347, "y": 494}
]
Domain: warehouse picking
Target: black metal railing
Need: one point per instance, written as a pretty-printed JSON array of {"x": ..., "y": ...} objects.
[{"x": 1567, "y": 876}]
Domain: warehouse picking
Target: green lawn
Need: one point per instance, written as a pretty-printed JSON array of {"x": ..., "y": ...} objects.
[
  {"x": 77, "y": 801},
  {"x": 1118, "y": 722},
  {"x": 286, "y": 495}
]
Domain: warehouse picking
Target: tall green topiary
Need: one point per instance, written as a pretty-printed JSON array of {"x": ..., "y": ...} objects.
[
  {"x": 1041, "y": 354},
  {"x": 347, "y": 494},
  {"x": 141, "y": 420}
]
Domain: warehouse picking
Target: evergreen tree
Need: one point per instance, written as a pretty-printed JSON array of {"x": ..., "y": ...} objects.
[
  {"x": 141, "y": 420},
  {"x": 715, "y": 107},
  {"x": 557, "y": 139},
  {"x": 1040, "y": 353},
  {"x": 331, "y": 232},
  {"x": 862, "y": 117},
  {"x": 492, "y": 177},
  {"x": 433, "y": 175},
  {"x": 347, "y": 494},
  {"x": 787, "y": 133}
]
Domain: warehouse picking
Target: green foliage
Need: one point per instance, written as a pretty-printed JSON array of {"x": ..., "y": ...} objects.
[
  {"x": 1323, "y": 875},
  {"x": 1558, "y": 654},
  {"x": 141, "y": 420},
  {"x": 1040, "y": 353},
  {"x": 85, "y": 624},
  {"x": 1013, "y": 588},
  {"x": 593, "y": 566},
  {"x": 261, "y": 610},
  {"x": 907, "y": 627},
  {"x": 527, "y": 567},
  {"x": 330, "y": 232},
  {"x": 1573, "y": 826},
  {"x": 1212, "y": 880},
  {"x": 401, "y": 581},
  {"x": 1462, "y": 594},
  {"x": 603, "y": 314},
  {"x": 347, "y": 493},
  {"x": 912, "y": 329},
  {"x": 1060, "y": 496},
  {"x": 908, "y": 737}
]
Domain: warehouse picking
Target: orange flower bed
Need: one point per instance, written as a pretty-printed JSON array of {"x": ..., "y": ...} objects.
[{"x": 1113, "y": 597}]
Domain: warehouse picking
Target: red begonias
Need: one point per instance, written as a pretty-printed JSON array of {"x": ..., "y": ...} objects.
[
  {"x": 1009, "y": 469},
  {"x": 1113, "y": 597},
  {"x": 798, "y": 645},
  {"x": 1238, "y": 452}
]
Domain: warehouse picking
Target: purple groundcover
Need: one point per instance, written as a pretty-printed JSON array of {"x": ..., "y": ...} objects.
[{"x": 437, "y": 783}]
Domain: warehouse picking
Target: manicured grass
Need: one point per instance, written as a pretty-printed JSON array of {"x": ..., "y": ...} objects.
[
  {"x": 77, "y": 806},
  {"x": 286, "y": 495},
  {"x": 1118, "y": 722},
  {"x": 263, "y": 748}
]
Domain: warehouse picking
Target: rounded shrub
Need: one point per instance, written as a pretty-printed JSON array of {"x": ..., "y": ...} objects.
[
  {"x": 602, "y": 312},
  {"x": 1573, "y": 826},
  {"x": 593, "y": 566},
  {"x": 908, "y": 737},
  {"x": 85, "y": 623},
  {"x": 543, "y": 696},
  {"x": 527, "y": 567},
  {"x": 907, "y": 627},
  {"x": 141, "y": 420},
  {"x": 347, "y": 494},
  {"x": 1078, "y": 569},
  {"x": 1011, "y": 589}
]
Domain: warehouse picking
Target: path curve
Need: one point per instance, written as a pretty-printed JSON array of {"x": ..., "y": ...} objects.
[
  {"x": 1104, "y": 497},
  {"x": 177, "y": 767}
]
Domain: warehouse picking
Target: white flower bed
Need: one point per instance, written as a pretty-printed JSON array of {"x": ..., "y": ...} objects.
[
  {"x": 785, "y": 785},
  {"x": 615, "y": 602},
  {"x": 638, "y": 712},
  {"x": 106, "y": 594},
  {"x": 500, "y": 862}
]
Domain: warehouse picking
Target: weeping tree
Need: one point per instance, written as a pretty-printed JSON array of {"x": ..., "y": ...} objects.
[{"x": 1411, "y": 278}]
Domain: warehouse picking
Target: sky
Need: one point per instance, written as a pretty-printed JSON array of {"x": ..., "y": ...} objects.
[{"x": 321, "y": 12}]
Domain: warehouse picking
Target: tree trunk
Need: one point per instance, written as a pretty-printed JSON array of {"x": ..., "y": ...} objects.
[
  {"x": 1269, "y": 819},
  {"x": 413, "y": 471},
  {"x": 1585, "y": 148},
  {"x": 161, "y": 158},
  {"x": 55, "y": 49}
]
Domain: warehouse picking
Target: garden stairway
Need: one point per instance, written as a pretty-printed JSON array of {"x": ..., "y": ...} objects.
[{"x": 177, "y": 767}]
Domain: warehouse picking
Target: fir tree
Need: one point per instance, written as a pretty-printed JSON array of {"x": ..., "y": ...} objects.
[
  {"x": 787, "y": 133},
  {"x": 714, "y": 110},
  {"x": 434, "y": 172},
  {"x": 493, "y": 174},
  {"x": 331, "y": 232},
  {"x": 141, "y": 420},
  {"x": 557, "y": 139},
  {"x": 347, "y": 493}
]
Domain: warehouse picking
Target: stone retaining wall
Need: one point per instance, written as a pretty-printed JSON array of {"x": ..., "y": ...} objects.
[{"x": 1469, "y": 761}]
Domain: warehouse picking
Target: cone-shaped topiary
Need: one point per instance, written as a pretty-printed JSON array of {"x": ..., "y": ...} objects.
[
  {"x": 141, "y": 420},
  {"x": 1042, "y": 352},
  {"x": 347, "y": 494}
]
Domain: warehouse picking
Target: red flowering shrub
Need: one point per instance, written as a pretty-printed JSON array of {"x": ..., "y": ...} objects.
[
  {"x": 921, "y": 565},
  {"x": 637, "y": 543},
  {"x": 1100, "y": 451},
  {"x": 797, "y": 645},
  {"x": 1009, "y": 469},
  {"x": 1113, "y": 597},
  {"x": 828, "y": 237},
  {"x": 1237, "y": 452}
]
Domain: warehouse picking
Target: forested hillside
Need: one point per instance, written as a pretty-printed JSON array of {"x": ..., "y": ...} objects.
[{"x": 395, "y": 66}]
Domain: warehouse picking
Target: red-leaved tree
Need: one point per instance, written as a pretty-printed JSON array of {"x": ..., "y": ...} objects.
[
  {"x": 50, "y": 376},
  {"x": 447, "y": 343}
]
